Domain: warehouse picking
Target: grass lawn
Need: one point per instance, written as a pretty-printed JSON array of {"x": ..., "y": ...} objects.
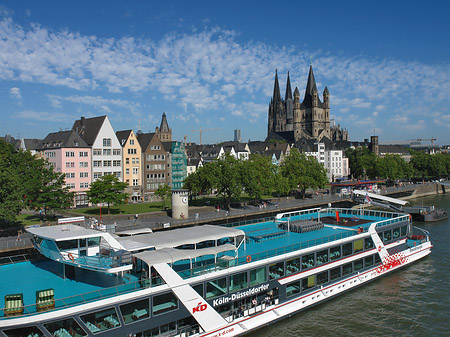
[{"x": 32, "y": 219}]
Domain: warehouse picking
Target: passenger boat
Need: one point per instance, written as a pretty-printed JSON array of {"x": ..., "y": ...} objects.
[{"x": 203, "y": 281}]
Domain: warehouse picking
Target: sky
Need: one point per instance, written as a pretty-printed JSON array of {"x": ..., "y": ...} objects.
[{"x": 211, "y": 65}]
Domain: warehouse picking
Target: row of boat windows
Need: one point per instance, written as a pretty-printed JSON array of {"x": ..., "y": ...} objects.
[
  {"x": 103, "y": 320},
  {"x": 393, "y": 234},
  {"x": 330, "y": 275}
]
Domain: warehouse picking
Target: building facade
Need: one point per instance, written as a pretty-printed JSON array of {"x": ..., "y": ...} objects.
[
  {"x": 179, "y": 165},
  {"x": 309, "y": 118},
  {"x": 68, "y": 153}
]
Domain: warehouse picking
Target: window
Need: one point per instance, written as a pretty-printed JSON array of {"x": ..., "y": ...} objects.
[
  {"x": 135, "y": 311},
  {"x": 70, "y": 154},
  {"x": 258, "y": 276},
  {"x": 84, "y": 164},
  {"x": 216, "y": 288},
  {"x": 62, "y": 328},
  {"x": 358, "y": 265},
  {"x": 307, "y": 261},
  {"x": 116, "y": 152},
  {"x": 50, "y": 154},
  {"x": 135, "y": 182},
  {"x": 335, "y": 253},
  {"x": 335, "y": 273},
  {"x": 116, "y": 163},
  {"x": 84, "y": 185},
  {"x": 97, "y": 152},
  {"x": 97, "y": 163},
  {"x": 106, "y": 152},
  {"x": 404, "y": 230},
  {"x": 28, "y": 331},
  {"x": 368, "y": 243},
  {"x": 387, "y": 235},
  {"x": 276, "y": 270},
  {"x": 164, "y": 303},
  {"x": 238, "y": 282},
  {"x": 309, "y": 282},
  {"x": 131, "y": 141},
  {"x": 347, "y": 269},
  {"x": 97, "y": 175},
  {"x": 70, "y": 164},
  {"x": 127, "y": 160},
  {"x": 106, "y": 142},
  {"x": 322, "y": 277},
  {"x": 101, "y": 321},
  {"x": 70, "y": 175},
  {"x": 292, "y": 288},
  {"x": 131, "y": 151},
  {"x": 107, "y": 163},
  {"x": 358, "y": 245},
  {"x": 84, "y": 174},
  {"x": 347, "y": 249},
  {"x": 368, "y": 261},
  {"x": 396, "y": 233},
  {"x": 135, "y": 170},
  {"x": 292, "y": 266},
  {"x": 322, "y": 257},
  {"x": 83, "y": 153},
  {"x": 199, "y": 289},
  {"x": 127, "y": 171}
]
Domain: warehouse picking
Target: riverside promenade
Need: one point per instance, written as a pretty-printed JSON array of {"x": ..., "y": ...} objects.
[{"x": 209, "y": 215}]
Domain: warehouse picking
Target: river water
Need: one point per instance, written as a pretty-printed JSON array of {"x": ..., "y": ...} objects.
[{"x": 413, "y": 301}]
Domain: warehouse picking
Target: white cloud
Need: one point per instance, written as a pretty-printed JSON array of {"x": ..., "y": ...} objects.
[
  {"x": 375, "y": 114},
  {"x": 15, "y": 93},
  {"x": 380, "y": 107},
  {"x": 43, "y": 116}
]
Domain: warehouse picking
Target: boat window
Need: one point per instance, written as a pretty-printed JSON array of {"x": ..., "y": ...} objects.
[
  {"x": 206, "y": 244},
  {"x": 396, "y": 233},
  {"x": 292, "y": 288},
  {"x": 377, "y": 259},
  {"x": 322, "y": 257},
  {"x": 216, "y": 288},
  {"x": 335, "y": 253},
  {"x": 309, "y": 282},
  {"x": 358, "y": 265},
  {"x": 358, "y": 245},
  {"x": 307, "y": 261},
  {"x": 347, "y": 269},
  {"x": 368, "y": 261},
  {"x": 68, "y": 244},
  {"x": 166, "y": 328},
  {"x": 276, "y": 270},
  {"x": 404, "y": 230},
  {"x": 101, "y": 321},
  {"x": 28, "y": 331},
  {"x": 66, "y": 327},
  {"x": 258, "y": 276},
  {"x": 387, "y": 235},
  {"x": 238, "y": 282},
  {"x": 135, "y": 311},
  {"x": 322, "y": 277},
  {"x": 292, "y": 266},
  {"x": 92, "y": 242},
  {"x": 186, "y": 246},
  {"x": 347, "y": 249},
  {"x": 156, "y": 279},
  {"x": 199, "y": 289},
  {"x": 164, "y": 303},
  {"x": 335, "y": 273},
  {"x": 368, "y": 243}
]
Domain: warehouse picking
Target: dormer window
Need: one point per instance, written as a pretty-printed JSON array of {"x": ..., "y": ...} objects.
[{"x": 107, "y": 142}]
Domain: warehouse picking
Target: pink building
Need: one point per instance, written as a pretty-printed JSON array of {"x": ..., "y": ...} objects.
[{"x": 68, "y": 153}]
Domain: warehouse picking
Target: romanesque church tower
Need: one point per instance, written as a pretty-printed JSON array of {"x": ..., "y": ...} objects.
[{"x": 308, "y": 119}]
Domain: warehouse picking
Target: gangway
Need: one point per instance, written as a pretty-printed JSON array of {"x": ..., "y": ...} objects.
[
  {"x": 379, "y": 200},
  {"x": 206, "y": 316}
]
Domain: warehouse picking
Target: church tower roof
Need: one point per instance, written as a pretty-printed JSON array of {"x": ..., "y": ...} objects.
[
  {"x": 288, "y": 89},
  {"x": 164, "y": 127},
  {"x": 276, "y": 88},
  {"x": 311, "y": 88}
]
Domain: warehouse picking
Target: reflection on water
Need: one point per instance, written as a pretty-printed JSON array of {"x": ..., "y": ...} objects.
[{"x": 413, "y": 301}]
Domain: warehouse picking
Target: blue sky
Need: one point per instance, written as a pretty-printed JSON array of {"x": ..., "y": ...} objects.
[{"x": 211, "y": 65}]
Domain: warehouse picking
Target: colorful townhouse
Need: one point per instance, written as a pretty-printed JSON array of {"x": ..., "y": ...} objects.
[
  {"x": 131, "y": 163},
  {"x": 99, "y": 134},
  {"x": 68, "y": 153}
]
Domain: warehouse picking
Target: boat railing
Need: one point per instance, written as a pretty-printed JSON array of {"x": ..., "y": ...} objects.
[
  {"x": 99, "y": 262},
  {"x": 220, "y": 265},
  {"x": 13, "y": 259},
  {"x": 66, "y": 302}
]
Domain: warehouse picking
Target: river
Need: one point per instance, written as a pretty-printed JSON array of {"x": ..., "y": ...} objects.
[{"x": 414, "y": 301}]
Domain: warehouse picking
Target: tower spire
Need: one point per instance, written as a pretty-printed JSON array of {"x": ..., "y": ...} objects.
[
  {"x": 276, "y": 88},
  {"x": 288, "y": 89},
  {"x": 311, "y": 89}
]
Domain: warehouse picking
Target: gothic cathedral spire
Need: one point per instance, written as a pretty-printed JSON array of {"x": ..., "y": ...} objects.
[{"x": 276, "y": 89}]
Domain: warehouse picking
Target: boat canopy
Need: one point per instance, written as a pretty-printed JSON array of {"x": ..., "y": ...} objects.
[
  {"x": 171, "y": 255},
  {"x": 63, "y": 232},
  {"x": 185, "y": 236}
]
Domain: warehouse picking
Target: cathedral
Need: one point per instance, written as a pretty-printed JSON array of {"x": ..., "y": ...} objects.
[{"x": 310, "y": 119}]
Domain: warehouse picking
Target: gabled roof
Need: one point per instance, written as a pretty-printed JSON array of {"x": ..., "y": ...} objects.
[
  {"x": 62, "y": 139},
  {"x": 88, "y": 128},
  {"x": 287, "y": 136},
  {"x": 238, "y": 147},
  {"x": 258, "y": 147},
  {"x": 123, "y": 136},
  {"x": 167, "y": 146},
  {"x": 144, "y": 139},
  {"x": 211, "y": 151}
]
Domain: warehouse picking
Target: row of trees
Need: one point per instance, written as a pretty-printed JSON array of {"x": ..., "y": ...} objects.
[
  {"x": 29, "y": 182},
  {"x": 257, "y": 177},
  {"x": 364, "y": 163}
]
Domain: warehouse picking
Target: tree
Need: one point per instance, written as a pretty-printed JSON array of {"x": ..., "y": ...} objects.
[
  {"x": 258, "y": 176},
  {"x": 362, "y": 162},
  {"x": 227, "y": 179},
  {"x": 163, "y": 192},
  {"x": 107, "y": 189},
  {"x": 303, "y": 172}
]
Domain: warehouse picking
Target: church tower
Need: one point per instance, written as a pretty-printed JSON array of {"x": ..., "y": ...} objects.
[
  {"x": 164, "y": 133},
  {"x": 289, "y": 106}
]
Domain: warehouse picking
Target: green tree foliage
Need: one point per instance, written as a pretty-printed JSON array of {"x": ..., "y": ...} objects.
[
  {"x": 392, "y": 167},
  {"x": 107, "y": 189},
  {"x": 258, "y": 176},
  {"x": 362, "y": 162},
  {"x": 426, "y": 165},
  {"x": 164, "y": 192},
  {"x": 227, "y": 178},
  {"x": 303, "y": 172},
  {"x": 29, "y": 182}
]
